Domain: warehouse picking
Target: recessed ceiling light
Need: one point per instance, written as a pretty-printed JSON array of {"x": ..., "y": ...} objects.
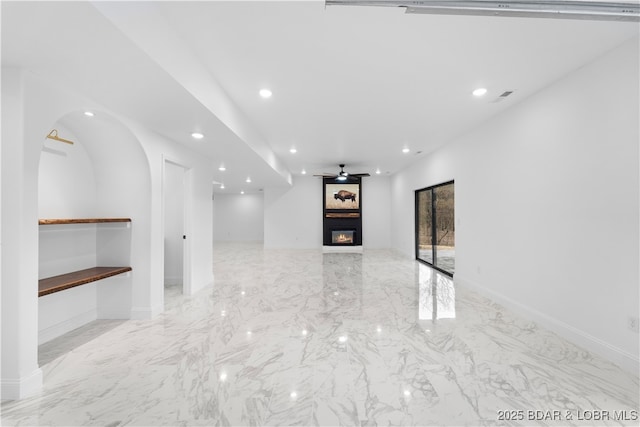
[
  {"x": 89, "y": 114},
  {"x": 304, "y": 172},
  {"x": 293, "y": 151},
  {"x": 222, "y": 169},
  {"x": 265, "y": 93},
  {"x": 378, "y": 171},
  {"x": 223, "y": 376},
  {"x": 222, "y": 186},
  {"x": 405, "y": 150},
  {"x": 242, "y": 192},
  {"x": 197, "y": 135},
  {"x": 479, "y": 92},
  {"x": 248, "y": 179}
]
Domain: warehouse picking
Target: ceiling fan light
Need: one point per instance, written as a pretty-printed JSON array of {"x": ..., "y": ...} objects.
[{"x": 341, "y": 178}]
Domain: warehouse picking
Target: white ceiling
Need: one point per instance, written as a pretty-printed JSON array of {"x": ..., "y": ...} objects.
[{"x": 350, "y": 85}]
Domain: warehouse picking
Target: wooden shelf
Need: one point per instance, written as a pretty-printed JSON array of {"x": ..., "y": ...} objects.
[
  {"x": 81, "y": 220},
  {"x": 50, "y": 285}
]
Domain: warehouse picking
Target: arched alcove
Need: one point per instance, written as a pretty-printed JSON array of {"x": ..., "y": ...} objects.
[
  {"x": 120, "y": 176},
  {"x": 104, "y": 174}
]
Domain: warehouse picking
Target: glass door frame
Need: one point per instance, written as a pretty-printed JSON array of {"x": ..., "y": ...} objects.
[{"x": 433, "y": 226}]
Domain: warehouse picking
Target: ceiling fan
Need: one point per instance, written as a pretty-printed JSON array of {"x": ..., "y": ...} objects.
[{"x": 342, "y": 175}]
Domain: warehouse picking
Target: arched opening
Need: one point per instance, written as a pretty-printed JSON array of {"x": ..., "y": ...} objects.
[{"x": 104, "y": 174}]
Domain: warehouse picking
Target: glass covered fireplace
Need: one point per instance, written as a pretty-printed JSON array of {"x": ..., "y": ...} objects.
[{"x": 343, "y": 237}]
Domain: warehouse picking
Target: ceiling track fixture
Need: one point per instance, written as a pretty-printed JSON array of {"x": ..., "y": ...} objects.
[{"x": 561, "y": 9}]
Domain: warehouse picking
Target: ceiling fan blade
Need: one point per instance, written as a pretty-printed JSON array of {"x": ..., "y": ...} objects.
[
  {"x": 358, "y": 175},
  {"x": 327, "y": 175}
]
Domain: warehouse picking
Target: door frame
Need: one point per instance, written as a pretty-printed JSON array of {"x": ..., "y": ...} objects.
[
  {"x": 187, "y": 197},
  {"x": 433, "y": 226}
]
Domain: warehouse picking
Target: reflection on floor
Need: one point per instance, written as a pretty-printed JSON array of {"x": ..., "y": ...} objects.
[
  {"x": 172, "y": 296},
  {"x": 445, "y": 258},
  {"x": 59, "y": 346},
  {"x": 305, "y": 338}
]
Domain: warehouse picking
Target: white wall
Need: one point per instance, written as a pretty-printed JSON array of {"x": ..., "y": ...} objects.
[
  {"x": 293, "y": 216},
  {"x": 66, "y": 181},
  {"x": 21, "y": 375},
  {"x": 376, "y": 212},
  {"x": 547, "y": 205},
  {"x": 238, "y": 217}
]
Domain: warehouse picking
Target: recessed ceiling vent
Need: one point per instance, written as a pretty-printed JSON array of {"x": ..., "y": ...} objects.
[{"x": 504, "y": 95}]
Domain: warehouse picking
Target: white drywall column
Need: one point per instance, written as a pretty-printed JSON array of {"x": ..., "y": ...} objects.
[{"x": 20, "y": 374}]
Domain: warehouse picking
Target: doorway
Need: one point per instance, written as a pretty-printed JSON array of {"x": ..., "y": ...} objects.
[
  {"x": 176, "y": 215},
  {"x": 435, "y": 227}
]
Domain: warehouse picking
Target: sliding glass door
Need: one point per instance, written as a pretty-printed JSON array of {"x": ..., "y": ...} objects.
[{"x": 435, "y": 228}]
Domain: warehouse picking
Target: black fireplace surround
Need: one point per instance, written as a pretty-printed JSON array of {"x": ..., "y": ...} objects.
[{"x": 347, "y": 221}]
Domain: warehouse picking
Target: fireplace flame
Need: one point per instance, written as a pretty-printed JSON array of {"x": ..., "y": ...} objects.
[{"x": 343, "y": 238}]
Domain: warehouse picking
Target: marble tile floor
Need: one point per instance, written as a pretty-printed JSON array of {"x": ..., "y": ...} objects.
[{"x": 297, "y": 337}]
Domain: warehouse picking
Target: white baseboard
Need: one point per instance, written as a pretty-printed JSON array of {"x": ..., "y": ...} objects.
[
  {"x": 342, "y": 249},
  {"x": 54, "y": 331},
  {"x": 200, "y": 288},
  {"x": 620, "y": 357},
  {"x": 145, "y": 313},
  {"x": 108, "y": 313},
  {"x": 15, "y": 389}
]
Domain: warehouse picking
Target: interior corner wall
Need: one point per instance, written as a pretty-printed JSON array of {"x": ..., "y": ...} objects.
[
  {"x": 238, "y": 217},
  {"x": 293, "y": 215},
  {"x": 547, "y": 205}
]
